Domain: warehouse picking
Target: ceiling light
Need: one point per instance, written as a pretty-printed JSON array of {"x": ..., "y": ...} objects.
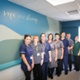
[{"x": 59, "y": 2}]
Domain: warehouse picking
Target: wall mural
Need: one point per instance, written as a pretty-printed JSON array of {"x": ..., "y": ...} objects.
[{"x": 15, "y": 21}]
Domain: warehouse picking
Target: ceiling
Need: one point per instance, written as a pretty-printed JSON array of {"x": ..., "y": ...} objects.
[{"x": 55, "y": 12}]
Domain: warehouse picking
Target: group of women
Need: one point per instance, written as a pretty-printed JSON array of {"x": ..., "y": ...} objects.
[{"x": 43, "y": 56}]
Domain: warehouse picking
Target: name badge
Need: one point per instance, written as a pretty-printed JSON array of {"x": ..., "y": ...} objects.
[
  {"x": 38, "y": 54},
  {"x": 31, "y": 57},
  {"x": 44, "y": 53}
]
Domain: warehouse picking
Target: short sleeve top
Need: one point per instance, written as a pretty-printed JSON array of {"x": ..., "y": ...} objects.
[
  {"x": 47, "y": 48},
  {"x": 28, "y": 52},
  {"x": 37, "y": 51}
]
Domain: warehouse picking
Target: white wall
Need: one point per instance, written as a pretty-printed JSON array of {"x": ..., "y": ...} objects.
[
  {"x": 54, "y": 26},
  {"x": 13, "y": 73}
]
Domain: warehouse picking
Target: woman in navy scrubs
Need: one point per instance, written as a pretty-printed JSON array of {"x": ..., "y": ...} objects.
[
  {"x": 65, "y": 57},
  {"x": 47, "y": 55},
  {"x": 26, "y": 53},
  {"x": 38, "y": 58}
]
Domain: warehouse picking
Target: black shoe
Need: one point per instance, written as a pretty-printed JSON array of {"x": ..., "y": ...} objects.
[
  {"x": 51, "y": 77},
  {"x": 70, "y": 69},
  {"x": 66, "y": 72},
  {"x": 77, "y": 69},
  {"x": 58, "y": 75}
]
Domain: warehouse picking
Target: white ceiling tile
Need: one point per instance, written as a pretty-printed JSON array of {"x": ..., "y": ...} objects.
[
  {"x": 49, "y": 10},
  {"x": 78, "y": 3},
  {"x": 57, "y": 13},
  {"x": 74, "y": 16}
]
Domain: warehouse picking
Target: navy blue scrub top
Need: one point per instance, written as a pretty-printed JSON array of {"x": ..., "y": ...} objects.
[
  {"x": 66, "y": 44},
  {"x": 47, "y": 48},
  {"x": 28, "y": 52}
]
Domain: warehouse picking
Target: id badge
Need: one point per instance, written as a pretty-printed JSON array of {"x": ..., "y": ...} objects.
[
  {"x": 38, "y": 54},
  {"x": 44, "y": 53}
]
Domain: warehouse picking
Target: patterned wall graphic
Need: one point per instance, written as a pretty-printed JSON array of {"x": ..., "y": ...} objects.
[{"x": 15, "y": 21}]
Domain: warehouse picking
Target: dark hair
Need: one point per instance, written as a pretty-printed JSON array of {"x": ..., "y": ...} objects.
[
  {"x": 25, "y": 36},
  {"x": 57, "y": 34},
  {"x": 49, "y": 35},
  {"x": 42, "y": 34}
]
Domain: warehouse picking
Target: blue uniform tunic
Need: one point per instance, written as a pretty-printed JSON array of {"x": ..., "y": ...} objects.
[
  {"x": 66, "y": 44},
  {"x": 47, "y": 48},
  {"x": 65, "y": 57},
  {"x": 28, "y": 52}
]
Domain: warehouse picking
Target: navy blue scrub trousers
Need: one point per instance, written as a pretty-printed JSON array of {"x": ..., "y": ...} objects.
[
  {"x": 65, "y": 63},
  {"x": 45, "y": 70}
]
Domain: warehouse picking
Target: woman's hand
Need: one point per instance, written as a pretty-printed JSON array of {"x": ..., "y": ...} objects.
[
  {"x": 41, "y": 62},
  {"x": 55, "y": 58},
  {"x": 78, "y": 54},
  {"x": 50, "y": 59},
  {"x": 62, "y": 57},
  {"x": 29, "y": 68}
]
